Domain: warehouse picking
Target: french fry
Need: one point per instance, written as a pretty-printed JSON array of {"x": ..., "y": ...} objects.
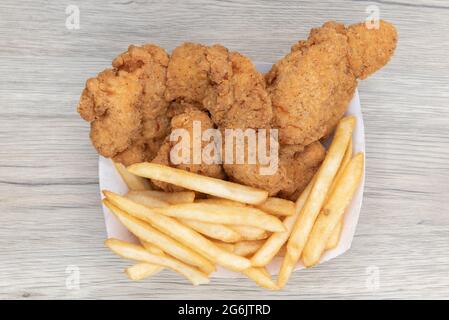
[
  {"x": 221, "y": 201},
  {"x": 214, "y": 213},
  {"x": 145, "y": 200},
  {"x": 138, "y": 253},
  {"x": 169, "y": 197},
  {"x": 333, "y": 210},
  {"x": 344, "y": 162},
  {"x": 226, "y": 246},
  {"x": 132, "y": 181},
  {"x": 272, "y": 205},
  {"x": 317, "y": 196},
  {"x": 275, "y": 242},
  {"x": 213, "y": 230},
  {"x": 278, "y": 206},
  {"x": 250, "y": 233},
  {"x": 196, "y": 182},
  {"x": 246, "y": 248},
  {"x": 152, "y": 248},
  {"x": 335, "y": 236},
  {"x": 265, "y": 271},
  {"x": 246, "y": 232},
  {"x": 261, "y": 277},
  {"x": 147, "y": 233},
  {"x": 142, "y": 270},
  {"x": 178, "y": 231}
]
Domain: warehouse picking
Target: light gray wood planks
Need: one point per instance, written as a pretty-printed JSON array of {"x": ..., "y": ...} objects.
[{"x": 49, "y": 199}]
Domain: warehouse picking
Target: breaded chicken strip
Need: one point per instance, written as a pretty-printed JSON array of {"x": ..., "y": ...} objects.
[
  {"x": 225, "y": 83},
  {"x": 296, "y": 167},
  {"x": 188, "y": 73},
  {"x": 237, "y": 96},
  {"x": 186, "y": 121},
  {"x": 311, "y": 87},
  {"x": 149, "y": 63},
  {"x": 370, "y": 50},
  {"x": 247, "y": 171},
  {"x": 110, "y": 102},
  {"x": 177, "y": 107},
  {"x": 126, "y": 105},
  {"x": 301, "y": 166},
  {"x": 140, "y": 151}
]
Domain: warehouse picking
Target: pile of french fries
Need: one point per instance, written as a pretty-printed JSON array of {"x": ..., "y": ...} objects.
[{"x": 237, "y": 227}]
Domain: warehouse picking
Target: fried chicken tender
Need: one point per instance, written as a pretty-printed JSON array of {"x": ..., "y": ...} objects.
[
  {"x": 187, "y": 120},
  {"x": 237, "y": 96},
  {"x": 178, "y": 107},
  {"x": 225, "y": 83},
  {"x": 188, "y": 73},
  {"x": 301, "y": 165},
  {"x": 311, "y": 87},
  {"x": 140, "y": 151},
  {"x": 135, "y": 153},
  {"x": 126, "y": 105},
  {"x": 370, "y": 50},
  {"x": 296, "y": 167},
  {"x": 247, "y": 171},
  {"x": 110, "y": 102}
]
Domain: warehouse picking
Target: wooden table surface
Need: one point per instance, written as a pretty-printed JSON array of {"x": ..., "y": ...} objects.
[{"x": 51, "y": 223}]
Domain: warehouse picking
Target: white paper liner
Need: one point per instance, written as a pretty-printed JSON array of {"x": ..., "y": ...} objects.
[{"x": 109, "y": 179}]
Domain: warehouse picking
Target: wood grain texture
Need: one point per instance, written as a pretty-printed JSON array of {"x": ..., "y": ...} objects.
[{"x": 49, "y": 200}]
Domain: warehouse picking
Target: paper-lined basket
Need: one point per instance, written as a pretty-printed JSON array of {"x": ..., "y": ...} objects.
[{"x": 111, "y": 180}]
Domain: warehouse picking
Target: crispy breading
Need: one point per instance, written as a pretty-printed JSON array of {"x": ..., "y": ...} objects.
[
  {"x": 186, "y": 121},
  {"x": 301, "y": 166},
  {"x": 225, "y": 83},
  {"x": 149, "y": 63},
  {"x": 248, "y": 171},
  {"x": 237, "y": 96},
  {"x": 126, "y": 105},
  {"x": 370, "y": 49},
  {"x": 296, "y": 167},
  {"x": 140, "y": 151},
  {"x": 311, "y": 87},
  {"x": 180, "y": 106},
  {"x": 110, "y": 103},
  {"x": 188, "y": 73},
  {"x": 133, "y": 154}
]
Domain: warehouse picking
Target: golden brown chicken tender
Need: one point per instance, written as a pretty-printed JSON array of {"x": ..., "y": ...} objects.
[
  {"x": 186, "y": 121},
  {"x": 237, "y": 96},
  {"x": 311, "y": 87},
  {"x": 110, "y": 103},
  {"x": 180, "y": 106},
  {"x": 248, "y": 171},
  {"x": 135, "y": 153},
  {"x": 188, "y": 73},
  {"x": 296, "y": 167},
  {"x": 370, "y": 49},
  {"x": 126, "y": 105},
  {"x": 226, "y": 83},
  {"x": 301, "y": 166},
  {"x": 149, "y": 62}
]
